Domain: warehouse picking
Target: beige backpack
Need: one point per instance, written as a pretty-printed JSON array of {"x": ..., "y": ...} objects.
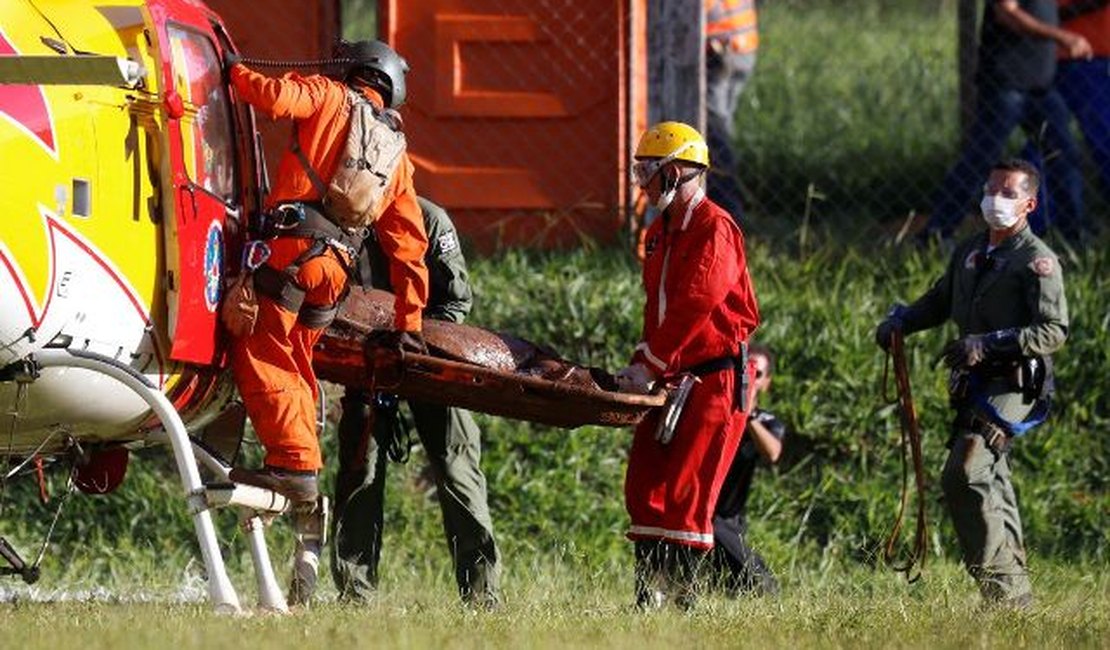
[{"x": 355, "y": 196}]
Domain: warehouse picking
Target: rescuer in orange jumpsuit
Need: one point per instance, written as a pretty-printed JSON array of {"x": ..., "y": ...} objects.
[
  {"x": 273, "y": 365},
  {"x": 700, "y": 310}
]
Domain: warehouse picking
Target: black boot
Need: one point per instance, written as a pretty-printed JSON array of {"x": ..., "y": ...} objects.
[
  {"x": 683, "y": 565},
  {"x": 649, "y": 571}
]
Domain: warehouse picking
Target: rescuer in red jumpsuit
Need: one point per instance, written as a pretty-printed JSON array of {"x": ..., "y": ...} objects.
[{"x": 700, "y": 310}]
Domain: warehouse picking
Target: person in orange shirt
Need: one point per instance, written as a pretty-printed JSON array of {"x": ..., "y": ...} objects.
[
  {"x": 305, "y": 275},
  {"x": 731, "y": 42}
]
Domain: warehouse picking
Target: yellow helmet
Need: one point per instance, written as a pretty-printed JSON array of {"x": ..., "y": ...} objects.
[{"x": 665, "y": 142}]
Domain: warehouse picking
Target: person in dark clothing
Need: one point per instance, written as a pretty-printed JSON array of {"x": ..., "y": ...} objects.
[
  {"x": 1017, "y": 64},
  {"x": 451, "y": 439},
  {"x": 735, "y": 567},
  {"x": 1003, "y": 288}
]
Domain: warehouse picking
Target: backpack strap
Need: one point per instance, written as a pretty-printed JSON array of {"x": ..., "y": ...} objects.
[
  {"x": 295, "y": 147},
  {"x": 389, "y": 117}
]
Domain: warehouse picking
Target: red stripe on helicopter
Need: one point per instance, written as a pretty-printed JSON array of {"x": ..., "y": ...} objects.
[
  {"x": 25, "y": 106},
  {"x": 55, "y": 226}
]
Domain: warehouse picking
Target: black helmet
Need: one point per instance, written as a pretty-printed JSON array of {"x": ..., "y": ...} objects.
[{"x": 377, "y": 64}]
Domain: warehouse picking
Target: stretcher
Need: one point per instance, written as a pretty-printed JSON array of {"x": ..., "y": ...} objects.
[{"x": 473, "y": 368}]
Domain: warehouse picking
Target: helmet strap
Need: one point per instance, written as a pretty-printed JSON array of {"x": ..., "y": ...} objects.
[
  {"x": 669, "y": 184},
  {"x": 691, "y": 176}
]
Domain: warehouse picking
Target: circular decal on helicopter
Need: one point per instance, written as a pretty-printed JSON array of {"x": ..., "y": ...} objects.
[{"x": 213, "y": 265}]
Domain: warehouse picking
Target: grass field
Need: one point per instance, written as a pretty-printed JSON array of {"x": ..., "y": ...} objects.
[{"x": 551, "y": 606}]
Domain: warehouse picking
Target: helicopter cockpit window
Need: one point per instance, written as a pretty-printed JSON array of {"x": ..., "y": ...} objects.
[{"x": 206, "y": 131}]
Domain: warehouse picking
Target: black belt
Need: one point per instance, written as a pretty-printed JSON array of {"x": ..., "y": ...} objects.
[
  {"x": 996, "y": 437},
  {"x": 738, "y": 364},
  {"x": 713, "y": 365}
]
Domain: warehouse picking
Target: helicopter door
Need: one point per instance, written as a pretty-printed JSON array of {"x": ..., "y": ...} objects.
[{"x": 205, "y": 194}]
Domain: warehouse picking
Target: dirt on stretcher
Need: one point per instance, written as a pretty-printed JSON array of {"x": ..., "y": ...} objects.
[{"x": 472, "y": 368}]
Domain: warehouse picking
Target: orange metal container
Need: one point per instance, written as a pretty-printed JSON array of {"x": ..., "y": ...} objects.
[
  {"x": 280, "y": 30},
  {"x": 520, "y": 115}
]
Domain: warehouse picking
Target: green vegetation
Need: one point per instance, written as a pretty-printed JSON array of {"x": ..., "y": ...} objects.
[
  {"x": 556, "y": 495},
  {"x": 859, "y": 104}
]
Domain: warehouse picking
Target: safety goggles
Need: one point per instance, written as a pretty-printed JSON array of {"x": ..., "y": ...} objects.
[{"x": 643, "y": 170}]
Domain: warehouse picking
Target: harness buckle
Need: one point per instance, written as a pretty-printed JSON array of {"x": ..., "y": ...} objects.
[
  {"x": 288, "y": 216},
  {"x": 338, "y": 245},
  {"x": 255, "y": 254},
  {"x": 995, "y": 436}
]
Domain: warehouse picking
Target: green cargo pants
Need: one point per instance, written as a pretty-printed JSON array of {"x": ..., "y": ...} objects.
[
  {"x": 980, "y": 498},
  {"x": 452, "y": 444}
]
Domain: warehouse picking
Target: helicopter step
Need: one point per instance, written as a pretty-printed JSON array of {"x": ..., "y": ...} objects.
[{"x": 253, "y": 503}]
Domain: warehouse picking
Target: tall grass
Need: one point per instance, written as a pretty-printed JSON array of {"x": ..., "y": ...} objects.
[{"x": 858, "y": 100}]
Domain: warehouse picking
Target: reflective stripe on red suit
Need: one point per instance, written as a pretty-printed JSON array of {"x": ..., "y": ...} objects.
[{"x": 700, "y": 306}]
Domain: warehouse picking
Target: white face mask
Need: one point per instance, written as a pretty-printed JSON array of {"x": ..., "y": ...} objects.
[
  {"x": 999, "y": 212},
  {"x": 665, "y": 199}
]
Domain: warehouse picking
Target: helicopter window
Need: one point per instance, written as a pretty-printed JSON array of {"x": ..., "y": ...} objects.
[
  {"x": 206, "y": 130},
  {"x": 82, "y": 197}
]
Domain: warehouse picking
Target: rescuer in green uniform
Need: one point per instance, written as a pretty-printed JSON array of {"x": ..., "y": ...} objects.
[
  {"x": 1004, "y": 290},
  {"x": 451, "y": 442}
]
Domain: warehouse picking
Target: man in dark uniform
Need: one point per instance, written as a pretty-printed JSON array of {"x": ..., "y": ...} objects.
[
  {"x": 1004, "y": 290},
  {"x": 735, "y": 566},
  {"x": 1017, "y": 63},
  {"x": 451, "y": 441}
]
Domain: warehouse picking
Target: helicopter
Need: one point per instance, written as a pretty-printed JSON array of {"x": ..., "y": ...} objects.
[{"x": 128, "y": 171}]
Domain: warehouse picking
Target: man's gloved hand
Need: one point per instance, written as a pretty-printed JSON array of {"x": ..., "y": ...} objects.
[
  {"x": 230, "y": 59},
  {"x": 965, "y": 352},
  {"x": 975, "y": 348},
  {"x": 884, "y": 333},
  {"x": 894, "y": 322},
  {"x": 412, "y": 342},
  {"x": 635, "y": 378}
]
